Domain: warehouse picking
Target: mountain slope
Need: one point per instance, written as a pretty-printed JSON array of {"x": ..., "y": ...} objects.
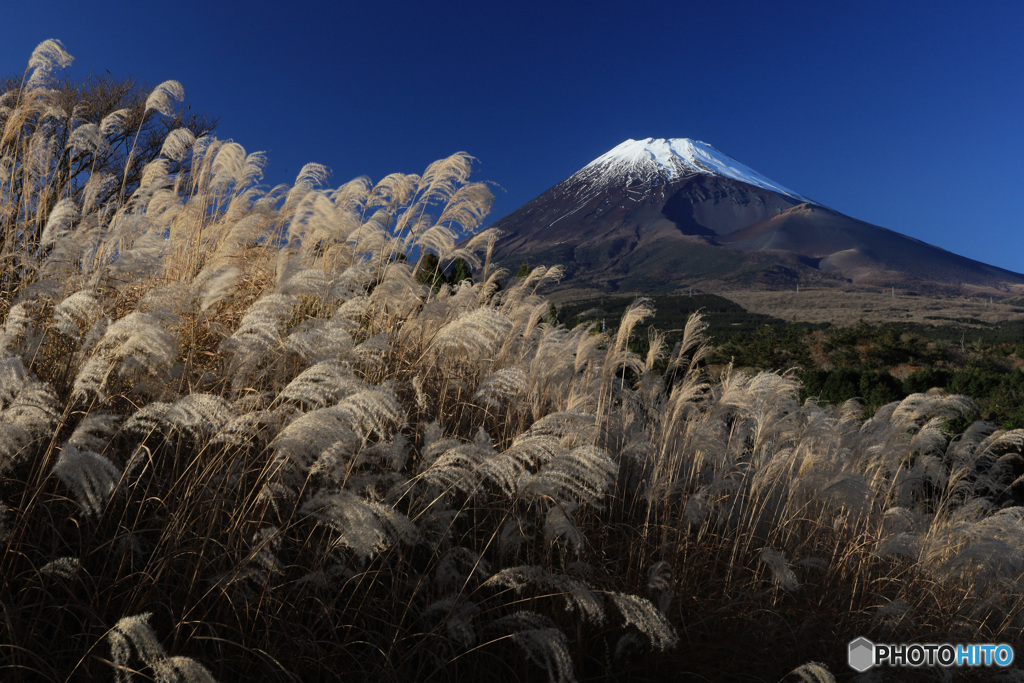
[{"x": 655, "y": 215}]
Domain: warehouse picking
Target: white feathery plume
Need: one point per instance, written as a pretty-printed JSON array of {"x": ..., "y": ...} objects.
[
  {"x": 467, "y": 208},
  {"x": 77, "y": 313},
  {"x": 218, "y": 286},
  {"x": 94, "y": 431},
  {"x": 456, "y": 613},
  {"x": 133, "y": 632},
  {"x": 502, "y": 388},
  {"x": 320, "y": 340},
  {"x": 322, "y": 384},
  {"x": 177, "y": 143},
  {"x": 113, "y": 123},
  {"x": 541, "y": 642},
  {"x": 457, "y": 566},
  {"x": 199, "y": 416},
  {"x": 813, "y": 672},
  {"x": 560, "y": 526},
  {"x": 181, "y": 670},
  {"x": 641, "y": 613},
  {"x": 478, "y": 333},
  {"x": 581, "y": 475},
  {"x": 311, "y": 282},
  {"x": 66, "y": 568},
  {"x": 394, "y": 190},
  {"x": 28, "y": 411},
  {"x": 438, "y": 239},
  {"x": 48, "y": 56},
  {"x": 135, "y": 344},
  {"x": 90, "y": 475},
  {"x": 364, "y": 526},
  {"x": 163, "y": 97},
  {"x": 254, "y": 428},
  {"x": 98, "y": 184},
  {"x": 17, "y": 327},
  {"x": 782, "y": 574},
  {"x": 312, "y": 175},
  {"x": 366, "y": 411},
  {"x": 86, "y": 138},
  {"x": 577, "y": 594},
  {"x": 443, "y": 177},
  {"x": 227, "y": 163}
]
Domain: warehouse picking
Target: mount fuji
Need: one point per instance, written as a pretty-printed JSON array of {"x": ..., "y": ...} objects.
[{"x": 656, "y": 215}]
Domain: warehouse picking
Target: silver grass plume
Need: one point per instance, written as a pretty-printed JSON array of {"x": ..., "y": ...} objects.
[
  {"x": 259, "y": 333},
  {"x": 457, "y": 566},
  {"x": 163, "y": 97},
  {"x": 113, "y": 123},
  {"x": 813, "y": 672},
  {"x": 577, "y": 595},
  {"x": 76, "y": 314},
  {"x": 48, "y": 56},
  {"x": 62, "y": 215},
  {"x": 642, "y": 614},
  {"x": 177, "y": 143},
  {"x": 216, "y": 286},
  {"x": 90, "y": 475},
  {"x": 467, "y": 208},
  {"x": 782, "y": 574},
  {"x": 318, "y": 340},
  {"x": 97, "y": 185},
  {"x": 451, "y": 465},
  {"x": 322, "y": 384},
  {"x": 66, "y": 568},
  {"x": 135, "y": 345},
  {"x": 198, "y": 416},
  {"x": 560, "y": 526},
  {"x": 477, "y": 334},
  {"x": 254, "y": 429},
  {"x": 542, "y": 643},
  {"x": 181, "y": 670},
  {"x": 87, "y": 138},
  {"x": 364, "y": 526},
  {"x": 28, "y": 411},
  {"x": 134, "y": 634},
  {"x": 443, "y": 177},
  {"x": 581, "y": 475},
  {"x": 456, "y": 613},
  {"x": 18, "y": 332},
  {"x": 502, "y": 388},
  {"x": 368, "y": 411}
]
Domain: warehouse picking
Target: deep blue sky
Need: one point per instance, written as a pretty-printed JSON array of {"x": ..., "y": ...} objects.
[{"x": 908, "y": 115}]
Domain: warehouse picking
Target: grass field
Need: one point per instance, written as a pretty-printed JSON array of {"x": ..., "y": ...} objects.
[{"x": 241, "y": 439}]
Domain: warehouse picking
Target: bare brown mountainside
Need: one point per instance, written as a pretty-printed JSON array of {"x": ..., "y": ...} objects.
[{"x": 658, "y": 215}]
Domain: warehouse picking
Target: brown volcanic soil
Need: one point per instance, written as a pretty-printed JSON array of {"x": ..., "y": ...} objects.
[
  {"x": 865, "y": 253},
  {"x": 847, "y": 307}
]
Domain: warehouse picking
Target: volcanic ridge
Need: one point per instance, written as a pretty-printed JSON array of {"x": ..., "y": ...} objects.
[{"x": 660, "y": 215}]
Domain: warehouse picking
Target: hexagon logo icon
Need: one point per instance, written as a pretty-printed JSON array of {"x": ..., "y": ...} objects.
[{"x": 862, "y": 654}]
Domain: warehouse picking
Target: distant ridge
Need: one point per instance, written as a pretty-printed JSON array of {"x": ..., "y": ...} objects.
[{"x": 655, "y": 215}]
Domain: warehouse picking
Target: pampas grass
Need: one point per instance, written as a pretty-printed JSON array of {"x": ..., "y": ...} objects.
[{"x": 235, "y": 426}]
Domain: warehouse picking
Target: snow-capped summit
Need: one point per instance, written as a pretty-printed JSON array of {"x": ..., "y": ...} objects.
[
  {"x": 678, "y": 156},
  {"x": 654, "y": 215}
]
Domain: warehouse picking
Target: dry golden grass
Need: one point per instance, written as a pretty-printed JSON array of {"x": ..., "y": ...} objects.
[
  {"x": 321, "y": 468},
  {"x": 847, "y": 307}
]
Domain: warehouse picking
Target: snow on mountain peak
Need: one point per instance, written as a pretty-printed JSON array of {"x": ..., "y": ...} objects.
[{"x": 681, "y": 155}]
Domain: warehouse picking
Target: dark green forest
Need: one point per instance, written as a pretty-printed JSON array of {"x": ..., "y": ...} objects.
[{"x": 876, "y": 363}]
